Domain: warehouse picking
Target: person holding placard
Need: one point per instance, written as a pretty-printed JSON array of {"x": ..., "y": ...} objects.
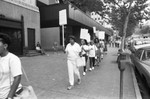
[
  {"x": 85, "y": 49},
  {"x": 102, "y": 45},
  {"x": 73, "y": 51},
  {"x": 98, "y": 54}
]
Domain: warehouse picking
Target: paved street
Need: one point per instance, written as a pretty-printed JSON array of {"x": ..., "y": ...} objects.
[{"x": 49, "y": 77}]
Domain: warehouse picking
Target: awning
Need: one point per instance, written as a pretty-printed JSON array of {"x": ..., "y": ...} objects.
[{"x": 50, "y": 17}]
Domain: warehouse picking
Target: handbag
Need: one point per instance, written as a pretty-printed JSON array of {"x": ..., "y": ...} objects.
[
  {"x": 80, "y": 61},
  {"x": 28, "y": 91}
]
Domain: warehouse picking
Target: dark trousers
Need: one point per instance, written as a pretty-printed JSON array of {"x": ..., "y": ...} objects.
[
  {"x": 84, "y": 68},
  {"x": 92, "y": 61}
]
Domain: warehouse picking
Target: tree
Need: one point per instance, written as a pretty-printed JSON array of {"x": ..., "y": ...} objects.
[
  {"x": 88, "y": 5},
  {"x": 145, "y": 30},
  {"x": 124, "y": 15}
]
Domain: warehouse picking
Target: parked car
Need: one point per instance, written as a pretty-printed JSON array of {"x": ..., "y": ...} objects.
[{"x": 141, "y": 59}]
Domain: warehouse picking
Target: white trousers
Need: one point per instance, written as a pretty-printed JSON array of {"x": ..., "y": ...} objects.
[{"x": 72, "y": 69}]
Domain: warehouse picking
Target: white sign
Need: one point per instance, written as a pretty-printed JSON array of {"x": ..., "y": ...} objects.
[
  {"x": 94, "y": 29},
  {"x": 101, "y": 34},
  {"x": 83, "y": 33},
  {"x": 88, "y": 37},
  {"x": 63, "y": 17},
  {"x": 29, "y": 4}
]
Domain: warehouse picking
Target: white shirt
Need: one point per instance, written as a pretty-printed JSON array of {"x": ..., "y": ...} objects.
[
  {"x": 10, "y": 66},
  {"x": 86, "y": 48},
  {"x": 102, "y": 43},
  {"x": 92, "y": 50},
  {"x": 73, "y": 51}
]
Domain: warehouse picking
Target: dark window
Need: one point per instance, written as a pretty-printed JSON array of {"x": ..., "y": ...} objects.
[
  {"x": 144, "y": 55},
  {"x": 138, "y": 53},
  {"x": 148, "y": 54},
  {"x": 31, "y": 38}
]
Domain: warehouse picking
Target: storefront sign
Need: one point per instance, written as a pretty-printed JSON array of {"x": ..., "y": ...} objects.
[{"x": 29, "y": 4}]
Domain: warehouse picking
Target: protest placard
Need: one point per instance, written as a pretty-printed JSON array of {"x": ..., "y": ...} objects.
[{"x": 101, "y": 34}]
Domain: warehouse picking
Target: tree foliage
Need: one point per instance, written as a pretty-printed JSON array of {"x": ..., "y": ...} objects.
[
  {"x": 87, "y": 5},
  {"x": 145, "y": 30},
  {"x": 119, "y": 10},
  {"x": 116, "y": 11}
]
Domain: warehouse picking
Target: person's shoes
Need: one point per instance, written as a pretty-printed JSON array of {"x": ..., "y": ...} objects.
[
  {"x": 70, "y": 87},
  {"x": 86, "y": 70},
  {"x": 90, "y": 69},
  {"x": 84, "y": 73},
  {"x": 79, "y": 81}
]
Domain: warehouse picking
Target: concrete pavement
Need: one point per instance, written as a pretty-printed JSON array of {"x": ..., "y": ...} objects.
[{"x": 49, "y": 77}]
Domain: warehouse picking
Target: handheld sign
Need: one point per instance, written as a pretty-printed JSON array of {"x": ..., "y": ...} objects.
[
  {"x": 83, "y": 33},
  {"x": 94, "y": 29},
  {"x": 101, "y": 34},
  {"x": 63, "y": 17}
]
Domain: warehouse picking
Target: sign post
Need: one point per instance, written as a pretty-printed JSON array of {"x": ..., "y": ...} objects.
[
  {"x": 62, "y": 22},
  {"x": 63, "y": 36}
]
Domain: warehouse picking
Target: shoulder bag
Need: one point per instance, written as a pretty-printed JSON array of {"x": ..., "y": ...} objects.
[{"x": 28, "y": 91}]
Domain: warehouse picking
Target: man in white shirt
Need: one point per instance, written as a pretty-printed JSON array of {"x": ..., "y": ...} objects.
[
  {"x": 10, "y": 70},
  {"x": 73, "y": 50}
]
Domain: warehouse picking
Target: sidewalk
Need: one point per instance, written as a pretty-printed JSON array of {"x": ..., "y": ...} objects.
[{"x": 49, "y": 77}]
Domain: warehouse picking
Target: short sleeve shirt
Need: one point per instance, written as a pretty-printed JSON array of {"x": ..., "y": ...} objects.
[
  {"x": 73, "y": 51},
  {"x": 86, "y": 48},
  {"x": 10, "y": 67},
  {"x": 92, "y": 50}
]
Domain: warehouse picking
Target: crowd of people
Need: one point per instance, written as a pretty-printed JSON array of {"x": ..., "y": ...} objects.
[
  {"x": 11, "y": 69},
  {"x": 92, "y": 51}
]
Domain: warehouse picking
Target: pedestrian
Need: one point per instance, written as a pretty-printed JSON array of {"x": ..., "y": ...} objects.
[
  {"x": 92, "y": 54},
  {"x": 55, "y": 47},
  {"x": 10, "y": 70},
  {"x": 73, "y": 51},
  {"x": 105, "y": 46},
  {"x": 84, "y": 51},
  {"x": 39, "y": 49},
  {"x": 102, "y": 45},
  {"x": 98, "y": 59}
]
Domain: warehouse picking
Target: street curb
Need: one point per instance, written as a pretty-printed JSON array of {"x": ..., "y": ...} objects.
[
  {"x": 136, "y": 87},
  {"x": 135, "y": 83}
]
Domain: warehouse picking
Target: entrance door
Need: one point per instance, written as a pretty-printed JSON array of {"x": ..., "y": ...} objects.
[{"x": 31, "y": 39}]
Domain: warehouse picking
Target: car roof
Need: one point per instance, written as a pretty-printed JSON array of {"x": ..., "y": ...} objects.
[{"x": 145, "y": 48}]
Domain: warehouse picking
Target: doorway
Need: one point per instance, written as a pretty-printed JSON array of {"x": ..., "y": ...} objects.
[{"x": 31, "y": 39}]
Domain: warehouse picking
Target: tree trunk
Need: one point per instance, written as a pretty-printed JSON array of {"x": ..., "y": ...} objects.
[
  {"x": 124, "y": 33},
  {"x": 125, "y": 28}
]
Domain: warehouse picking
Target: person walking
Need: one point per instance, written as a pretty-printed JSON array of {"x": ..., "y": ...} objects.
[
  {"x": 73, "y": 50},
  {"x": 10, "y": 70},
  {"x": 102, "y": 45},
  {"x": 92, "y": 54},
  {"x": 98, "y": 54},
  {"x": 84, "y": 51}
]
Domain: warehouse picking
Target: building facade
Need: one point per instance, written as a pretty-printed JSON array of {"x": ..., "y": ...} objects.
[
  {"x": 21, "y": 20},
  {"x": 51, "y": 31}
]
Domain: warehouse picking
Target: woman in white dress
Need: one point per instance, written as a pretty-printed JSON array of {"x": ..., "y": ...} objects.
[{"x": 84, "y": 52}]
